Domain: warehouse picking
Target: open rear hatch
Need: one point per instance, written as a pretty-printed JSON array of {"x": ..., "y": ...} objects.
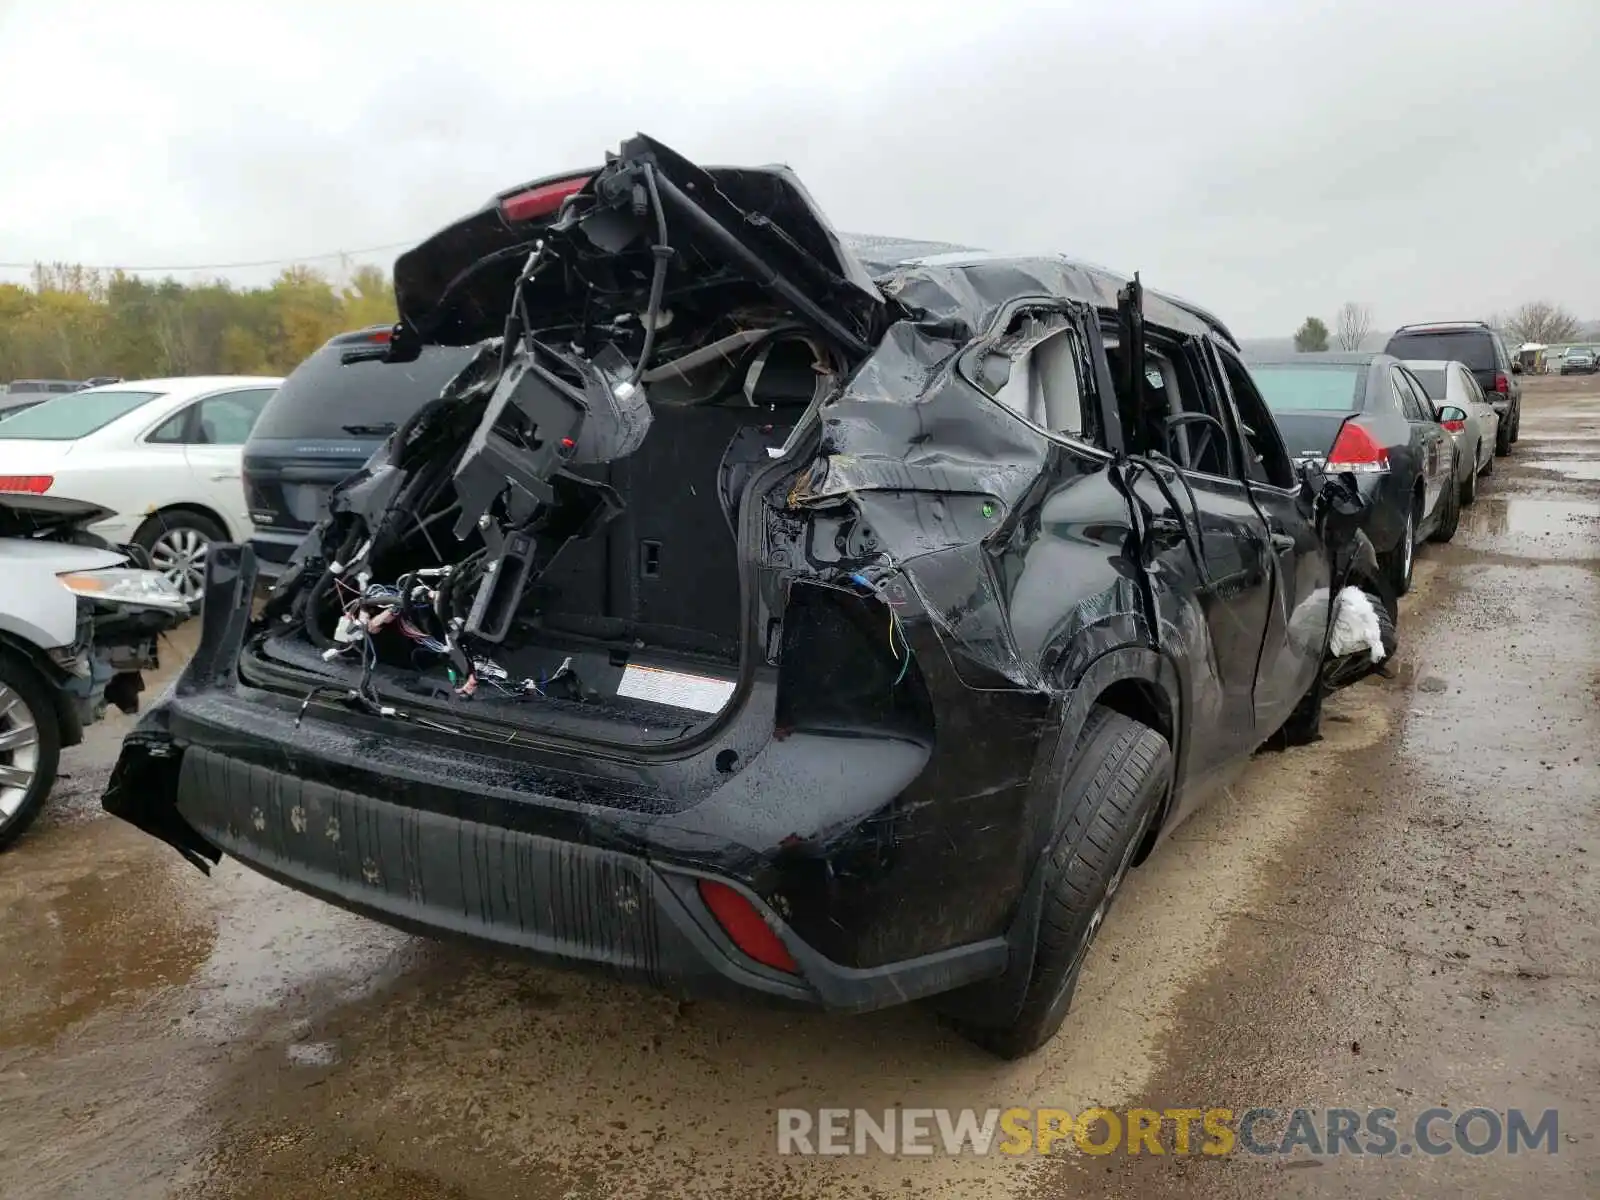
[{"x": 560, "y": 539}]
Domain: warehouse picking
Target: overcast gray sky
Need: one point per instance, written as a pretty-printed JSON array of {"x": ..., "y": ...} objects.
[{"x": 1267, "y": 158}]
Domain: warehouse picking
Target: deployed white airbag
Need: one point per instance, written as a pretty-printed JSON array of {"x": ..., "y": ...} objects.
[{"x": 1355, "y": 626}]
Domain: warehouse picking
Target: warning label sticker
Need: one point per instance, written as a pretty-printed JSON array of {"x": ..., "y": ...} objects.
[{"x": 702, "y": 693}]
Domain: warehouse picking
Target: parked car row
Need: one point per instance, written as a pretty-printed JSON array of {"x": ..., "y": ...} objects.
[{"x": 1416, "y": 433}]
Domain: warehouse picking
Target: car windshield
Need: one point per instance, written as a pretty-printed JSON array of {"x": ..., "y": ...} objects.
[
  {"x": 1470, "y": 346},
  {"x": 67, "y": 418},
  {"x": 1311, "y": 387},
  {"x": 1433, "y": 382}
]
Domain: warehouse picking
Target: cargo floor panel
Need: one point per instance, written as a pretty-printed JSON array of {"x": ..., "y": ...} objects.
[{"x": 659, "y": 700}]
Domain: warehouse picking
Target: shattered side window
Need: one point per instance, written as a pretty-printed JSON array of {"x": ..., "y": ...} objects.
[
  {"x": 1035, "y": 370},
  {"x": 1266, "y": 458}
]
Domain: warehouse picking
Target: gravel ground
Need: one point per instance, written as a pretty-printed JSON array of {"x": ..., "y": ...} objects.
[{"x": 1405, "y": 914}]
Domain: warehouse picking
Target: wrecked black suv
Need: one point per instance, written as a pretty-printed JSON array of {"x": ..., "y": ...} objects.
[{"x": 835, "y": 619}]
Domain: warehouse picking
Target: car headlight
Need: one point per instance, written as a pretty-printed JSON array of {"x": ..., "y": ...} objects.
[{"x": 124, "y": 585}]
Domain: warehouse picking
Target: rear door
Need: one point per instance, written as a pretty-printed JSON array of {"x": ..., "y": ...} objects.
[
  {"x": 1478, "y": 408},
  {"x": 215, "y": 431},
  {"x": 1231, "y": 587},
  {"x": 1297, "y": 611},
  {"x": 1429, "y": 443}
]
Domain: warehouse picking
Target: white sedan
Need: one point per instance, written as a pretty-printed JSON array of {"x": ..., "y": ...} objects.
[
  {"x": 162, "y": 454},
  {"x": 1451, "y": 384}
]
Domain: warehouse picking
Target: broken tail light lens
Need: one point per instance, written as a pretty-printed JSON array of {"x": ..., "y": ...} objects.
[
  {"x": 746, "y": 927},
  {"x": 541, "y": 201},
  {"x": 1355, "y": 449},
  {"x": 33, "y": 485}
]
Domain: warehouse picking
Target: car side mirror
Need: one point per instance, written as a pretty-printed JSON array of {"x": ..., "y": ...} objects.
[
  {"x": 1516, "y": 368},
  {"x": 1451, "y": 413}
]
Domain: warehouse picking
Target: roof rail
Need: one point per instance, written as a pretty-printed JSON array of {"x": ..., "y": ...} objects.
[{"x": 1443, "y": 325}]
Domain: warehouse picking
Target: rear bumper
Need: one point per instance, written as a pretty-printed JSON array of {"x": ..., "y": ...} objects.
[
  {"x": 1386, "y": 511},
  {"x": 559, "y": 900},
  {"x": 572, "y": 858}
]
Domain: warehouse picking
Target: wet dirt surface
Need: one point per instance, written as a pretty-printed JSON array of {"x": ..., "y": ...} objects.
[{"x": 1404, "y": 914}]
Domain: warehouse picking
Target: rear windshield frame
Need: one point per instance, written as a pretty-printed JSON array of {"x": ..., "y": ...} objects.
[{"x": 315, "y": 404}]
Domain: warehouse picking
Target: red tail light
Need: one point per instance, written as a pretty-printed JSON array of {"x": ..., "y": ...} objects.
[
  {"x": 1501, "y": 383},
  {"x": 540, "y": 201},
  {"x": 34, "y": 485},
  {"x": 748, "y": 929},
  {"x": 1454, "y": 426},
  {"x": 1355, "y": 449},
  {"x": 381, "y": 336}
]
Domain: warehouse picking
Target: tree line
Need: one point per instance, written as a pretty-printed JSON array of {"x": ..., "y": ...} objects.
[
  {"x": 76, "y": 323},
  {"x": 1537, "y": 321}
]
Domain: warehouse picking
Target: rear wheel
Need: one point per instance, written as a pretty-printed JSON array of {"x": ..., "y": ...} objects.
[
  {"x": 30, "y": 747},
  {"x": 1115, "y": 789},
  {"x": 1516, "y": 422},
  {"x": 1400, "y": 561},
  {"x": 1488, "y": 463},
  {"x": 179, "y": 544},
  {"x": 1469, "y": 485},
  {"x": 1450, "y": 518}
]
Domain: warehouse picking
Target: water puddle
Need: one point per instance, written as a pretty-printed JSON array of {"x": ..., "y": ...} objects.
[
  {"x": 1586, "y": 469},
  {"x": 1528, "y": 528}
]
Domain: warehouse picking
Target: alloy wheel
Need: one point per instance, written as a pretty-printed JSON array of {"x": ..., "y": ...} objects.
[
  {"x": 19, "y": 752},
  {"x": 1408, "y": 547},
  {"x": 180, "y": 555}
]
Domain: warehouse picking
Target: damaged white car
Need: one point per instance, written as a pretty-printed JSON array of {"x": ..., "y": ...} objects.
[{"x": 78, "y": 626}]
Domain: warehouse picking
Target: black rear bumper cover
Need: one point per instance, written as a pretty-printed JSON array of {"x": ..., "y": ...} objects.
[
  {"x": 215, "y": 768},
  {"x": 430, "y": 872}
]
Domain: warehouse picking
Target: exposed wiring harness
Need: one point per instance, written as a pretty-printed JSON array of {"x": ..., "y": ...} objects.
[{"x": 899, "y": 646}]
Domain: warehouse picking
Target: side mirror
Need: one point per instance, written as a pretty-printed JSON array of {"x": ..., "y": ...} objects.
[
  {"x": 1516, "y": 368},
  {"x": 1450, "y": 413}
]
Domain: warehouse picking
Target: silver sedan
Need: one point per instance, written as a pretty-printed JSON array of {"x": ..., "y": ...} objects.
[{"x": 1450, "y": 384}]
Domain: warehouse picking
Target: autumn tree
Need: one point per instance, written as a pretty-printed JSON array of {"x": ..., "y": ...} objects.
[
  {"x": 1311, "y": 337},
  {"x": 74, "y": 322},
  {"x": 1541, "y": 321},
  {"x": 1354, "y": 322}
]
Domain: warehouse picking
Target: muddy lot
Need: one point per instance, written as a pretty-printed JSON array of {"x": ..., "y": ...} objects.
[{"x": 1406, "y": 914}]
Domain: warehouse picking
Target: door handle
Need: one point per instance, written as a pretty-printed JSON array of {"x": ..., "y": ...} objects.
[
  {"x": 1282, "y": 543},
  {"x": 223, "y": 476}
]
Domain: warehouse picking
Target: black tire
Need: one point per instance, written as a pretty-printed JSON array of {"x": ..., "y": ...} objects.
[
  {"x": 1516, "y": 422},
  {"x": 1400, "y": 563},
  {"x": 1450, "y": 518},
  {"x": 178, "y": 542},
  {"x": 1468, "y": 491},
  {"x": 1488, "y": 467},
  {"x": 1120, "y": 777},
  {"x": 29, "y": 725}
]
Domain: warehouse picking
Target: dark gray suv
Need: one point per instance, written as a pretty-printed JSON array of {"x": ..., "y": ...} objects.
[{"x": 1480, "y": 348}]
